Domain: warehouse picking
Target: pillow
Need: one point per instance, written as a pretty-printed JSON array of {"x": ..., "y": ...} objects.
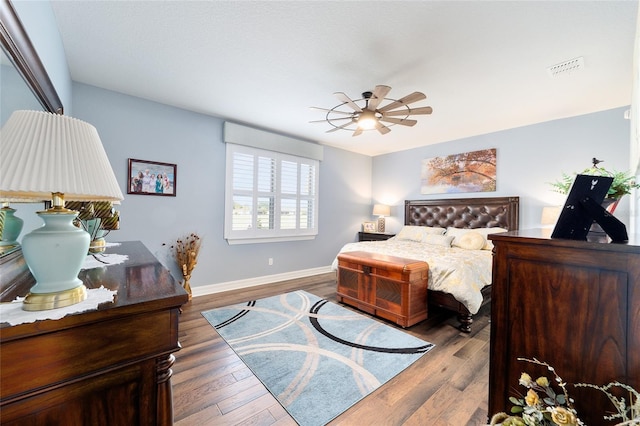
[
  {"x": 486, "y": 231},
  {"x": 417, "y": 233},
  {"x": 488, "y": 245},
  {"x": 458, "y": 233},
  {"x": 433, "y": 230},
  {"x": 470, "y": 241},
  {"x": 438, "y": 240}
]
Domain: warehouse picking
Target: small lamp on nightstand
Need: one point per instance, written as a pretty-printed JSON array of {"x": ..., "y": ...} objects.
[
  {"x": 550, "y": 215},
  {"x": 47, "y": 156},
  {"x": 381, "y": 210}
]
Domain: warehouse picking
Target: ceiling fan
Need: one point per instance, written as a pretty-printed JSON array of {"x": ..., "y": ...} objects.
[{"x": 371, "y": 115}]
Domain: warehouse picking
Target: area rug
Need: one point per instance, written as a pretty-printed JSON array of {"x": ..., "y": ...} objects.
[{"x": 316, "y": 357}]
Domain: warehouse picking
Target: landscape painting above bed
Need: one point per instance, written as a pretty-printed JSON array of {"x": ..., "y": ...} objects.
[
  {"x": 473, "y": 171},
  {"x": 451, "y": 237}
]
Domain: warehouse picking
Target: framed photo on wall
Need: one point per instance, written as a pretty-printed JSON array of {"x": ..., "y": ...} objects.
[{"x": 151, "y": 178}]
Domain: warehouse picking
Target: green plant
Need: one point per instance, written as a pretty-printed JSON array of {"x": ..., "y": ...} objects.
[{"x": 623, "y": 182}]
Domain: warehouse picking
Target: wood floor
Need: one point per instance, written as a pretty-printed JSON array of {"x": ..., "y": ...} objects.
[{"x": 447, "y": 386}]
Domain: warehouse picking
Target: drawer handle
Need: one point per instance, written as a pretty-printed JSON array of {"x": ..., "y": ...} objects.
[{"x": 366, "y": 269}]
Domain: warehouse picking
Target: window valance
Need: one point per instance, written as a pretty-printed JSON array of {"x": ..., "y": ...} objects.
[{"x": 248, "y": 136}]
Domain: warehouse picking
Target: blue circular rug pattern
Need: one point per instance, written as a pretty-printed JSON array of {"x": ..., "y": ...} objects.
[{"x": 316, "y": 357}]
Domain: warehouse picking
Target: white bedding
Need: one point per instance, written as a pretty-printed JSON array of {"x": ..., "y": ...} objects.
[{"x": 459, "y": 272}]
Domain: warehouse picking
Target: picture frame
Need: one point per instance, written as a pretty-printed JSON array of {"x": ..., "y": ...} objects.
[
  {"x": 143, "y": 178},
  {"x": 473, "y": 171},
  {"x": 369, "y": 226}
]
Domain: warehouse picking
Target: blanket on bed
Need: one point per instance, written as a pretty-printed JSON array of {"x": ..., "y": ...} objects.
[{"x": 460, "y": 272}]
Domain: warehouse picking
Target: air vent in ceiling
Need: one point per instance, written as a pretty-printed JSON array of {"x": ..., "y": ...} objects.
[{"x": 566, "y": 67}]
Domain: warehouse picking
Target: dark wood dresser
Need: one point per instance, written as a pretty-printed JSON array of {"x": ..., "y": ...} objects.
[
  {"x": 572, "y": 304},
  {"x": 109, "y": 366}
]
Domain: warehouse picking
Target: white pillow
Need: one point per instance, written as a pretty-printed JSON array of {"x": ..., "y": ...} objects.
[
  {"x": 470, "y": 241},
  {"x": 438, "y": 240},
  {"x": 488, "y": 245},
  {"x": 486, "y": 231},
  {"x": 458, "y": 233},
  {"x": 433, "y": 230},
  {"x": 417, "y": 233}
]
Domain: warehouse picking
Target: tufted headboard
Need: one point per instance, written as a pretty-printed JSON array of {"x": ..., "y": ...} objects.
[{"x": 500, "y": 212}]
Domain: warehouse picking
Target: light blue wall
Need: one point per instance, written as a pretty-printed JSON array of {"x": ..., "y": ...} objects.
[
  {"x": 135, "y": 128},
  {"x": 15, "y": 95},
  {"x": 39, "y": 21},
  {"x": 528, "y": 158}
]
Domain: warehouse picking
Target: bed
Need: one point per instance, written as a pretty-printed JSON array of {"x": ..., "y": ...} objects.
[{"x": 459, "y": 274}]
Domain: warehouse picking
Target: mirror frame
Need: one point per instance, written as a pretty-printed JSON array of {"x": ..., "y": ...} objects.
[{"x": 17, "y": 45}]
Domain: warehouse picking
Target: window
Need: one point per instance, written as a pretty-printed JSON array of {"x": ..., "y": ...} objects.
[{"x": 270, "y": 196}]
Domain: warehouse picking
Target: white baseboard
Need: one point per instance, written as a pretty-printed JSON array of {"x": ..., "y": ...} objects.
[{"x": 252, "y": 282}]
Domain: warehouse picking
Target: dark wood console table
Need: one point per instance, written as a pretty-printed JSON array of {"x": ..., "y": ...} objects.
[
  {"x": 109, "y": 366},
  {"x": 572, "y": 304}
]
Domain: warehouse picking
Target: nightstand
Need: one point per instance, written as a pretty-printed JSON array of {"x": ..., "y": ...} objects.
[{"x": 373, "y": 236}]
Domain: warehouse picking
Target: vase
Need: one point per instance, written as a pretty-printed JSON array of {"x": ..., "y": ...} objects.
[{"x": 186, "y": 285}]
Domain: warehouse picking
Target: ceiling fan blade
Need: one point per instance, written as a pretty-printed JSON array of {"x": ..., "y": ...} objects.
[
  {"x": 382, "y": 128},
  {"x": 413, "y": 97},
  {"x": 409, "y": 111},
  {"x": 339, "y": 127},
  {"x": 378, "y": 96},
  {"x": 332, "y": 111},
  {"x": 347, "y": 100},
  {"x": 331, "y": 119},
  {"x": 401, "y": 121},
  {"x": 357, "y": 132}
]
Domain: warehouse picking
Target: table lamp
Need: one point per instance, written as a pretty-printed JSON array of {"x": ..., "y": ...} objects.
[
  {"x": 47, "y": 156},
  {"x": 550, "y": 215},
  {"x": 10, "y": 226},
  {"x": 381, "y": 210}
]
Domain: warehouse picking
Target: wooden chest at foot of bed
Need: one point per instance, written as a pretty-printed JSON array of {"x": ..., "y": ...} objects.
[{"x": 393, "y": 288}]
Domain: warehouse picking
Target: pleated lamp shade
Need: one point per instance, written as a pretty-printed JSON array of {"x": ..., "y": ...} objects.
[
  {"x": 47, "y": 156},
  {"x": 45, "y": 153}
]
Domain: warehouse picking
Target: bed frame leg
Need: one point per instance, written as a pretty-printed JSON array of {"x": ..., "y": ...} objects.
[{"x": 465, "y": 322}]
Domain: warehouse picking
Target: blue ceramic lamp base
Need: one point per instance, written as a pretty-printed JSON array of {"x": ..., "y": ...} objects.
[
  {"x": 54, "y": 254},
  {"x": 11, "y": 228}
]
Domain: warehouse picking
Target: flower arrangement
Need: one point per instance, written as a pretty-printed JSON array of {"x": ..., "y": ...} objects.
[
  {"x": 628, "y": 414},
  {"x": 185, "y": 252},
  {"x": 544, "y": 406},
  {"x": 98, "y": 218}
]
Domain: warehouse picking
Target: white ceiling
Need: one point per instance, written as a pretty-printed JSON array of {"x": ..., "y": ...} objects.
[{"x": 482, "y": 64}]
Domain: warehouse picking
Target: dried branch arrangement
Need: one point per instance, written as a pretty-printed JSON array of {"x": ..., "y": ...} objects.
[{"x": 186, "y": 251}]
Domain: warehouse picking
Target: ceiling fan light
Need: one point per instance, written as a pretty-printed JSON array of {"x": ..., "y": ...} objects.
[{"x": 367, "y": 120}]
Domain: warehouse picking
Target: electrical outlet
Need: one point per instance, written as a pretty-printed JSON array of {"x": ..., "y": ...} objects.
[{"x": 271, "y": 261}]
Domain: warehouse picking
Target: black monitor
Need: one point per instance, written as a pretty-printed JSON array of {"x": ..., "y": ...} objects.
[{"x": 584, "y": 206}]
